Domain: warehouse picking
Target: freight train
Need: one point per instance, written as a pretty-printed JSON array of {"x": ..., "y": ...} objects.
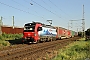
[
  {"x": 10, "y": 30},
  {"x": 35, "y": 32}
]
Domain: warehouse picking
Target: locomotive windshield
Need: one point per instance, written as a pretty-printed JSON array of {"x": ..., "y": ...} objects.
[{"x": 29, "y": 27}]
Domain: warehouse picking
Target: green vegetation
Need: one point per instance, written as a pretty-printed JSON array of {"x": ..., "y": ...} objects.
[
  {"x": 88, "y": 32},
  {"x": 5, "y": 39},
  {"x": 79, "y": 50},
  {"x": 82, "y": 39},
  {"x": 10, "y": 36}
]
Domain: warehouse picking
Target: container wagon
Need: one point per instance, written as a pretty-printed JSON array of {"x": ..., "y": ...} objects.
[
  {"x": 73, "y": 33},
  {"x": 11, "y": 30},
  {"x": 63, "y": 33}
]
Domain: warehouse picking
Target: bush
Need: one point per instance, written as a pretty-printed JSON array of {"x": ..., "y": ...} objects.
[
  {"x": 4, "y": 37},
  {"x": 10, "y": 36},
  {"x": 76, "y": 51},
  {"x": 4, "y": 43}
]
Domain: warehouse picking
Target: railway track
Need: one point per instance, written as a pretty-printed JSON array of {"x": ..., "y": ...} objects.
[{"x": 33, "y": 51}]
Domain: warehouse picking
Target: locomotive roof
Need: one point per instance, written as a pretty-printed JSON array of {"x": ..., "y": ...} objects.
[
  {"x": 34, "y": 23},
  {"x": 49, "y": 26}
]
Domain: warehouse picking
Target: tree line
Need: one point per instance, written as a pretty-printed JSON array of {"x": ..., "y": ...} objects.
[{"x": 87, "y": 33}]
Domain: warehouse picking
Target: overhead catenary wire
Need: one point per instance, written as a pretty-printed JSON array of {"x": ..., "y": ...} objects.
[
  {"x": 45, "y": 3},
  {"x": 51, "y": 8},
  {"x": 46, "y": 9},
  {"x": 19, "y": 9},
  {"x": 58, "y": 8},
  {"x": 34, "y": 10},
  {"x": 48, "y": 5},
  {"x": 15, "y": 8}
]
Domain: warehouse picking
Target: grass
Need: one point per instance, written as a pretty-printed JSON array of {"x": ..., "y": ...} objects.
[
  {"x": 82, "y": 39},
  {"x": 78, "y": 50},
  {"x": 8, "y": 39},
  {"x": 4, "y": 43}
]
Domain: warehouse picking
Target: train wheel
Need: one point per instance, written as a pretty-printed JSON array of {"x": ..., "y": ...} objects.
[
  {"x": 51, "y": 39},
  {"x": 38, "y": 41}
]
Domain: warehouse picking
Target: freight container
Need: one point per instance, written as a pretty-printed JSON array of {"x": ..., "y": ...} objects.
[
  {"x": 61, "y": 33},
  {"x": 68, "y": 34},
  {"x": 72, "y": 33},
  {"x": 10, "y": 30}
]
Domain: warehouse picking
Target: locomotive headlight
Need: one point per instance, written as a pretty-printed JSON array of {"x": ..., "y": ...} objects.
[
  {"x": 34, "y": 34},
  {"x": 25, "y": 37},
  {"x": 30, "y": 28}
]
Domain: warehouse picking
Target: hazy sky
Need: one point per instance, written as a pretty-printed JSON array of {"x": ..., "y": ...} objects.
[{"x": 59, "y": 11}]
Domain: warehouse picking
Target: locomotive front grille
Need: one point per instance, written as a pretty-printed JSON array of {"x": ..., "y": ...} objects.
[{"x": 30, "y": 39}]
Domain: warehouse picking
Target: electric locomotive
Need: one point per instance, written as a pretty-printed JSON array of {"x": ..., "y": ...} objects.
[{"x": 37, "y": 32}]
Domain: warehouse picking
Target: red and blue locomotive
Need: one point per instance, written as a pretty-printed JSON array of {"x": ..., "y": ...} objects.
[{"x": 35, "y": 32}]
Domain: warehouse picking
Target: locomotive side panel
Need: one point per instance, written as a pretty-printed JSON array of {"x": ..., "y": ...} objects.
[{"x": 47, "y": 32}]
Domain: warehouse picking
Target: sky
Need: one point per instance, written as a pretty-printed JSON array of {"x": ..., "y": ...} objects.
[{"x": 61, "y": 12}]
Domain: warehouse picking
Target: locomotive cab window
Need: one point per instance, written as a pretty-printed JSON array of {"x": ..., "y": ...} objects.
[
  {"x": 39, "y": 28},
  {"x": 29, "y": 28}
]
